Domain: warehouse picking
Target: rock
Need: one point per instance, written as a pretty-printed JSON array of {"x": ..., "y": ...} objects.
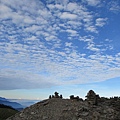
[
  {"x": 32, "y": 113},
  {"x": 96, "y": 115},
  {"x": 80, "y": 119},
  {"x": 67, "y": 109},
  {"x": 45, "y": 118},
  {"x": 85, "y": 114},
  {"x": 92, "y": 98}
]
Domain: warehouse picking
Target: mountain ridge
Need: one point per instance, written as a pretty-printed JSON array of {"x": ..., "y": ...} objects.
[
  {"x": 93, "y": 107},
  {"x": 14, "y": 105}
]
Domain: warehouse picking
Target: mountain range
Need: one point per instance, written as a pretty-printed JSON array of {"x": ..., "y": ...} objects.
[
  {"x": 14, "y": 105},
  {"x": 18, "y": 104}
]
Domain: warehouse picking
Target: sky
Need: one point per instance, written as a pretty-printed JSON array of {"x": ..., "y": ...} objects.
[{"x": 69, "y": 46}]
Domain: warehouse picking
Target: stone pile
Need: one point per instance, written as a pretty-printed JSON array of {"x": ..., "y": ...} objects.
[
  {"x": 92, "y": 98},
  {"x": 56, "y": 95}
]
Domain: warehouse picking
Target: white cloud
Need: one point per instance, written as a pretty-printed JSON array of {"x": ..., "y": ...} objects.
[
  {"x": 68, "y": 44},
  {"x": 32, "y": 38},
  {"x": 108, "y": 40},
  {"x": 91, "y": 29},
  {"x": 37, "y": 52},
  {"x": 88, "y": 39},
  {"x": 4, "y": 11},
  {"x": 33, "y": 28},
  {"x": 72, "y": 6},
  {"x": 92, "y": 2},
  {"x": 92, "y": 47},
  {"x": 72, "y": 32},
  {"x": 56, "y": 6},
  {"x": 67, "y": 15},
  {"x": 51, "y": 37},
  {"x": 114, "y": 6},
  {"x": 75, "y": 24},
  {"x": 28, "y": 20},
  {"x": 101, "y": 22},
  {"x": 64, "y": 2},
  {"x": 23, "y": 80}
]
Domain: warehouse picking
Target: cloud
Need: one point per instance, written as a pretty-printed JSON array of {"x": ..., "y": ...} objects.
[
  {"x": 91, "y": 46},
  {"x": 101, "y": 22},
  {"x": 68, "y": 44},
  {"x": 92, "y": 2},
  {"x": 22, "y": 80},
  {"x": 71, "y": 32},
  {"x": 51, "y": 43},
  {"x": 56, "y": 6},
  {"x": 67, "y": 15},
  {"x": 91, "y": 29},
  {"x": 114, "y": 6},
  {"x": 4, "y": 11},
  {"x": 32, "y": 38},
  {"x": 72, "y": 6}
]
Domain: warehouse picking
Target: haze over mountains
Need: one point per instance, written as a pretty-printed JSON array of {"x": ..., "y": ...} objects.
[
  {"x": 12, "y": 104},
  {"x": 17, "y": 104}
]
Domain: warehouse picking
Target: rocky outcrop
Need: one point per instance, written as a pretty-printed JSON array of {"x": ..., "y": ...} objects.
[
  {"x": 92, "y": 98},
  {"x": 56, "y": 95},
  {"x": 56, "y": 108}
]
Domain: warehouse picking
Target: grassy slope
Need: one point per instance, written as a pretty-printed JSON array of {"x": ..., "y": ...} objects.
[{"x": 6, "y": 112}]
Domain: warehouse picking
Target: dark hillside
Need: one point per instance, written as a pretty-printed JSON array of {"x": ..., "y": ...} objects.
[{"x": 6, "y": 111}]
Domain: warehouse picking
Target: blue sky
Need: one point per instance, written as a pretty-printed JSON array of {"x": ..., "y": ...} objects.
[{"x": 69, "y": 46}]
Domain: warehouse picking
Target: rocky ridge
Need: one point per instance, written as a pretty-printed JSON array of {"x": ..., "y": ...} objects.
[{"x": 93, "y": 107}]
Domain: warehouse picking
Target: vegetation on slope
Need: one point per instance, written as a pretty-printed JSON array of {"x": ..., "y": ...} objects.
[{"x": 6, "y": 111}]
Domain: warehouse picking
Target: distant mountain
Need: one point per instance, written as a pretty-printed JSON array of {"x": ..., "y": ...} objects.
[
  {"x": 3, "y": 99},
  {"x": 18, "y": 104},
  {"x": 15, "y": 105}
]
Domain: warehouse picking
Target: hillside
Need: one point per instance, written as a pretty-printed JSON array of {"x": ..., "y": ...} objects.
[
  {"x": 57, "y": 108},
  {"x": 6, "y": 111}
]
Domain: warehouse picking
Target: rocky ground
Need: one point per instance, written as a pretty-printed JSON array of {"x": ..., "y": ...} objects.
[{"x": 57, "y": 108}]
